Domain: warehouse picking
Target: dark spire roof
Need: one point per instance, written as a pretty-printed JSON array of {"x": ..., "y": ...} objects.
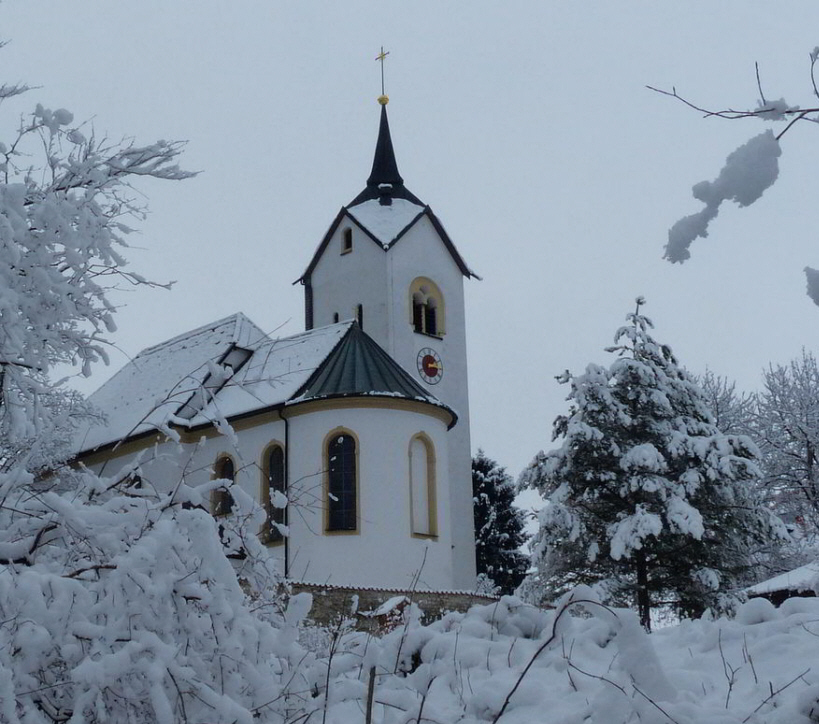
[
  {"x": 359, "y": 367},
  {"x": 385, "y": 169}
]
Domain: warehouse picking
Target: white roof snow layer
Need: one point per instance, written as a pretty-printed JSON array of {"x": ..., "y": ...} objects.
[
  {"x": 804, "y": 578},
  {"x": 385, "y": 222},
  {"x": 150, "y": 389}
]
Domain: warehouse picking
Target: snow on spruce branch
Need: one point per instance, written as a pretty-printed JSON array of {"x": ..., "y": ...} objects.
[{"x": 748, "y": 171}]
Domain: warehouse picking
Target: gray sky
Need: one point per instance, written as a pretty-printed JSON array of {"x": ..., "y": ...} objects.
[{"x": 525, "y": 125}]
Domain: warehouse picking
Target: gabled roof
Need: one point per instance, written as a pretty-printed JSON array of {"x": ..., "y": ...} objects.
[
  {"x": 385, "y": 210},
  {"x": 192, "y": 380},
  {"x": 160, "y": 379}
]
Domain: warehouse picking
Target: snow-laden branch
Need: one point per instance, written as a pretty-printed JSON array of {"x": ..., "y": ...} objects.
[{"x": 749, "y": 170}]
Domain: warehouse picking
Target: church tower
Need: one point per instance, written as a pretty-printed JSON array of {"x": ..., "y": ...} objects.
[{"x": 388, "y": 262}]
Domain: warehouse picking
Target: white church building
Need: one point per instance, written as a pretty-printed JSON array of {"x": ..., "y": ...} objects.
[{"x": 358, "y": 427}]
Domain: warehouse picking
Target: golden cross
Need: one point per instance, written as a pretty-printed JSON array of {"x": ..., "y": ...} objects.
[{"x": 381, "y": 57}]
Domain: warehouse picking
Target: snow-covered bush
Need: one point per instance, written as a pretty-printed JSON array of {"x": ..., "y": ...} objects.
[{"x": 118, "y": 603}]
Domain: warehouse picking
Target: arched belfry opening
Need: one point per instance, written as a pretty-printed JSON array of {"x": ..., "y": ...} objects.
[{"x": 427, "y": 307}]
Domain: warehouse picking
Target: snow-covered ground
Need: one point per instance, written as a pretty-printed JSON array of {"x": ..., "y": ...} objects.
[{"x": 581, "y": 663}]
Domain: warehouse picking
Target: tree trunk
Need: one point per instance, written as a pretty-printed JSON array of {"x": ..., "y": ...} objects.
[{"x": 643, "y": 599}]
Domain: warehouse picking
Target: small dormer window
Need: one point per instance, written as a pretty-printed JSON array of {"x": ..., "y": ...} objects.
[{"x": 347, "y": 241}]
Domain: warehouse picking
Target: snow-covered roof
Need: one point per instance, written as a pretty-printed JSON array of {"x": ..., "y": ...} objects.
[
  {"x": 278, "y": 369},
  {"x": 155, "y": 383},
  {"x": 188, "y": 381},
  {"x": 386, "y": 222},
  {"x": 804, "y": 578}
]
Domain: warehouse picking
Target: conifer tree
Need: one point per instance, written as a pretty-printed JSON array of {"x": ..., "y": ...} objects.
[
  {"x": 647, "y": 499},
  {"x": 498, "y": 525}
]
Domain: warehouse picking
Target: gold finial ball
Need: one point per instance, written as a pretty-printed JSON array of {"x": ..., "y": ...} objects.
[{"x": 383, "y": 100}]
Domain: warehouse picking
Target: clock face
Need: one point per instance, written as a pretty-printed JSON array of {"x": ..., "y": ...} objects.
[{"x": 430, "y": 367}]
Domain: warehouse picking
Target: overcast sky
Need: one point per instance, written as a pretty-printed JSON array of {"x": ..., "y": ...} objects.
[{"x": 525, "y": 125}]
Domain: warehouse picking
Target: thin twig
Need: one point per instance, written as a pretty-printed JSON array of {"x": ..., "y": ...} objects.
[{"x": 775, "y": 693}]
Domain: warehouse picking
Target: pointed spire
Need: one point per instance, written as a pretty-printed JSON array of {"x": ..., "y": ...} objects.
[
  {"x": 385, "y": 183},
  {"x": 385, "y": 167}
]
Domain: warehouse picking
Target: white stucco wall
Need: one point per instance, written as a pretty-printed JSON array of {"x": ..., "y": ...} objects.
[
  {"x": 342, "y": 281},
  {"x": 422, "y": 253},
  {"x": 381, "y": 281},
  {"x": 383, "y": 552}
]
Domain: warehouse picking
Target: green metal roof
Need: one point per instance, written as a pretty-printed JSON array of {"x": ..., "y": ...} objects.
[{"x": 358, "y": 367}]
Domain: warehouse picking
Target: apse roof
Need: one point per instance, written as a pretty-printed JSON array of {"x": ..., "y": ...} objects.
[
  {"x": 230, "y": 369},
  {"x": 358, "y": 366}
]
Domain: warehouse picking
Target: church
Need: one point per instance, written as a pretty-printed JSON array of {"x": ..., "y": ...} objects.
[{"x": 354, "y": 434}]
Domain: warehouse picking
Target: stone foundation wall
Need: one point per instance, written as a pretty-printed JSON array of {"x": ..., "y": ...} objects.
[{"x": 330, "y": 603}]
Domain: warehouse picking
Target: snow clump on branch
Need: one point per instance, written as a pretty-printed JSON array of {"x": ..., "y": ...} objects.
[{"x": 748, "y": 172}]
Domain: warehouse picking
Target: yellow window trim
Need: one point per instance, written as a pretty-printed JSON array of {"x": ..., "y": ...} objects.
[
  {"x": 264, "y": 493},
  {"x": 432, "y": 487},
  {"x": 429, "y": 290}
]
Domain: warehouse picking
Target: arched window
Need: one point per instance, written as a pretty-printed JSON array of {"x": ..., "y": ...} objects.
[
  {"x": 359, "y": 315},
  {"x": 273, "y": 485},
  {"x": 423, "y": 503},
  {"x": 347, "y": 241},
  {"x": 221, "y": 501},
  {"x": 335, "y": 318},
  {"x": 426, "y": 307},
  {"x": 342, "y": 482}
]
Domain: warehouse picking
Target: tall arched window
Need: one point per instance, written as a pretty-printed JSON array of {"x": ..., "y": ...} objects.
[
  {"x": 273, "y": 485},
  {"x": 221, "y": 501},
  {"x": 423, "y": 503},
  {"x": 342, "y": 482},
  {"x": 426, "y": 307}
]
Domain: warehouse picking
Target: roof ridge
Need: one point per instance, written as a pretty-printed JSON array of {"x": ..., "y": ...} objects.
[{"x": 237, "y": 317}]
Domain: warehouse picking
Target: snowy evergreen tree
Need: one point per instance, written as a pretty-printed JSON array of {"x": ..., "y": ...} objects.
[
  {"x": 498, "y": 525},
  {"x": 647, "y": 499}
]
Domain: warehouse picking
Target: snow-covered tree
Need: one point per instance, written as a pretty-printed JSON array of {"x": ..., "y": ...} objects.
[
  {"x": 118, "y": 602},
  {"x": 646, "y": 498},
  {"x": 749, "y": 170},
  {"x": 734, "y": 412},
  {"x": 499, "y": 525},
  {"x": 788, "y": 433}
]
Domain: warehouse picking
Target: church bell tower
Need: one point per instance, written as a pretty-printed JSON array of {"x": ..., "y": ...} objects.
[{"x": 388, "y": 262}]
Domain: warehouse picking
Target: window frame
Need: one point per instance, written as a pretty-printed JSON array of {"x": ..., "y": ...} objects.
[
  {"x": 347, "y": 240},
  {"x": 218, "y": 495},
  {"x": 338, "y": 432},
  {"x": 268, "y": 534},
  {"x": 432, "y": 487},
  {"x": 427, "y": 290}
]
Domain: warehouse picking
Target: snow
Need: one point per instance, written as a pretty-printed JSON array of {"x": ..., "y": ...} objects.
[
  {"x": 146, "y": 393},
  {"x": 805, "y": 578},
  {"x": 581, "y": 662},
  {"x": 385, "y": 223},
  {"x": 748, "y": 172},
  {"x": 150, "y": 388},
  {"x": 812, "y": 277}
]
